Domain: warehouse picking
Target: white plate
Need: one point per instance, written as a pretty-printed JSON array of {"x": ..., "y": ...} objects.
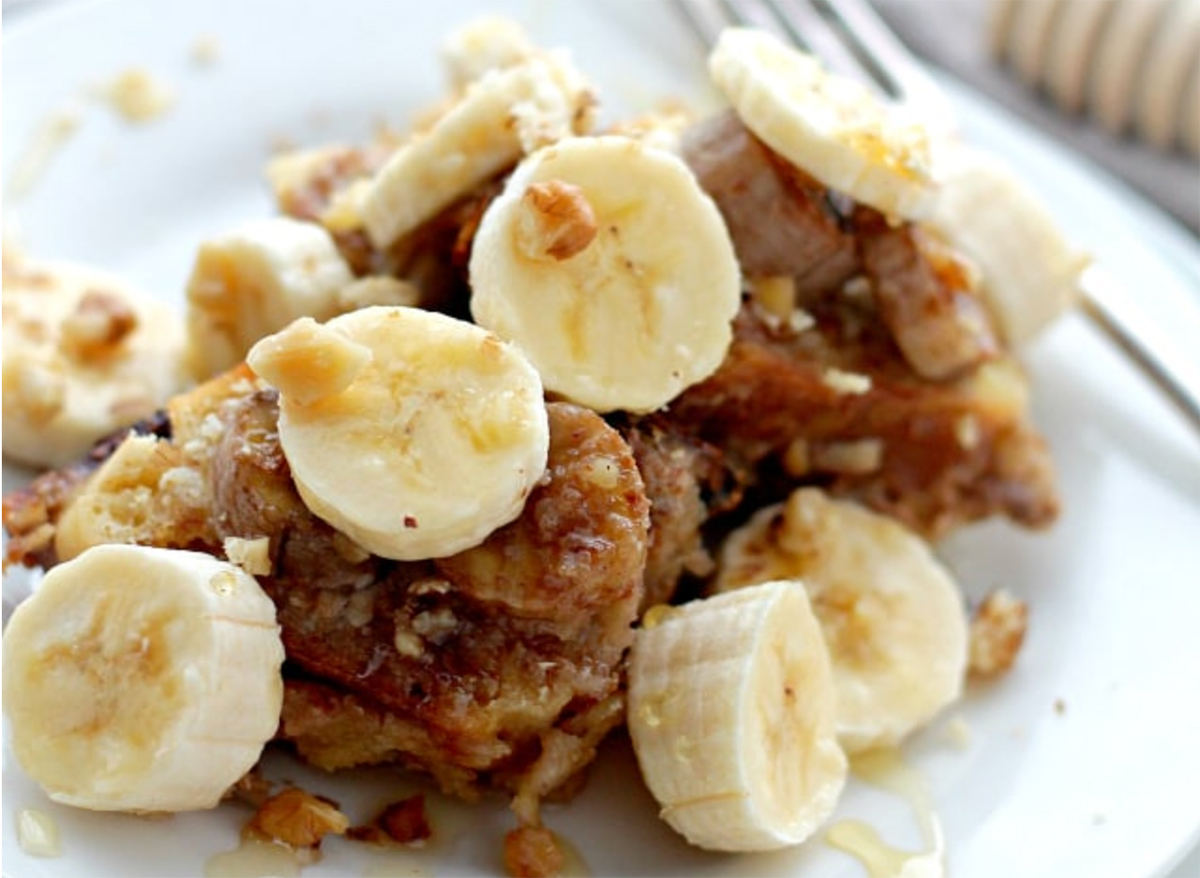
[{"x": 1109, "y": 786}]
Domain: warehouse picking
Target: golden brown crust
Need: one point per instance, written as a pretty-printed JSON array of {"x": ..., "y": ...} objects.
[{"x": 773, "y": 390}]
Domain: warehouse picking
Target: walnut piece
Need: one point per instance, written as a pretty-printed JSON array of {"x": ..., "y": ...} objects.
[
  {"x": 297, "y": 818},
  {"x": 997, "y": 632},
  {"x": 307, "y": 361},
  {"x": 556, "y": 221},
  {"x": 98, "y": 325},
  {"x": 532, "y": 852},
  {"x": 405, "y": 822}
]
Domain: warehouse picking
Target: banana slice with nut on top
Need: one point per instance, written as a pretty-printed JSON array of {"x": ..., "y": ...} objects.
[
  {"x": 84, "y": 355},
  {"x": 255, "y": 279},
  {"x": 503, "y": 115},
  {"x": 1029, "y": 272},
  {"x": 731, "y": 710},
  {"x": 605, "y": 262},
  {"x": 413, "y": 433},
  {"x": 142, "y": 679},
  {"x": 829, "y": 126},
  {"x": 892, "y": 615}
]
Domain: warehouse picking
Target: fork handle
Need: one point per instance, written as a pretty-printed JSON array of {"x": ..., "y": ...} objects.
[{"x": 1175, "y": 371}]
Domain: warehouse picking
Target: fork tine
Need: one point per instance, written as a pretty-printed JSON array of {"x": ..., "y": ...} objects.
[
  {"x": 699, "y": 18},
  {"x": 891, "y": 62},
  {"x": 804, "y": 23}
]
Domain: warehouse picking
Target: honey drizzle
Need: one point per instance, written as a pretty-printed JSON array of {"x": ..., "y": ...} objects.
[{"x": 885, "y": 768}]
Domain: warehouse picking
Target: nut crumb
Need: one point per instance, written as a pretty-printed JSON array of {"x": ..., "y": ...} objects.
[
  {"x": 556, "y": 221},
  {"x": 100, "y": 322},
  {"x": 532, "y": 851},
  {"x": 253, "y": 556},
  {"x": 307, "y": 361},
  {"x": 297, "y": 818},
  {"x": 997, "y": 632},
  {"x": 405, "y": 822},
  {"x": 846, "y": 382}
]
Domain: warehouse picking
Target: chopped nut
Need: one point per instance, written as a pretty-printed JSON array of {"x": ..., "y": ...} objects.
[
  {"x": 846, "y": 382},
  {"x": 603, "y": 472},
  {"x": 430, "y": 586},
  {"x": 997, "y": 632},
  {"x": 99, "y": 323},
  {"x": 853, "y": 457},
  {"x": 435, "y": 624},
  {"x": 308, "y": 361},
  {"x": 408, "y": 644},
  {"x": 775, "y": 298},
  {"x": 298, "y": 818},
  {"x": 405, "y": 822},
  {"x": 556, "y": 221},
  {"x": 253, "y": 556},
  {"x": 966, "y": 431},
  {"x": 532, "y": 852},
  {"x": 800, "y": 320},
  {"x": 796, "y": 458}
]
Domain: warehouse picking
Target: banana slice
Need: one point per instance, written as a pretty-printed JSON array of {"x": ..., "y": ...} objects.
[
  {"x": 501, "y": 116},
  {"x": 1029, "y": 271},
  {"x": 605, "y": 262},
  {"x": 892, "y": 616},
  {"x": 142, "y": 679},
  {"x": 84, "y": 355},
  {"x": 731, "y": 711},
  {"x": 413, "y": 433},
  {"x": 483, "y": 44},
  {"x": 255, "y": 280},
  {"x": 831, "y": 127}
]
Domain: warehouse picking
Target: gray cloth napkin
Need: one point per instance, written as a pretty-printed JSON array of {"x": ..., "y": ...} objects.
[{"x": 953, "y": 36}]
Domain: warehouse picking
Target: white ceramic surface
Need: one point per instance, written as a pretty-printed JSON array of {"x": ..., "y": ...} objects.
[{"x": 1108, "y": 786}]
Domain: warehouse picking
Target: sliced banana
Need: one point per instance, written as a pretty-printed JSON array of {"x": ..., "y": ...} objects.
[
  {"x": 142, "y": 679},
  {"x": 501, "y": 116},
  {"x": 413, "y": 433},
  {"x": 891, "y": 614},
  {"x": 731, "y": 710},
  {"x": 1029, "y": 271},
  {"x": 831, "y": 127},
  {"x": 254, "y": 280},
  {"x": 605, "y": 262},
  {"x": 84, "y": 355},
  {"x": 483, "y": 44}
]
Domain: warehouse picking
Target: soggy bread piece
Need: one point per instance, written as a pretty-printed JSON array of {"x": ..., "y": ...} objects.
[{"x": 489, "y": 668}]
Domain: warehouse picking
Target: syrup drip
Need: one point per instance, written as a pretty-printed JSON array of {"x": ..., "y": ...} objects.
[{"x": 885, "y": 768}]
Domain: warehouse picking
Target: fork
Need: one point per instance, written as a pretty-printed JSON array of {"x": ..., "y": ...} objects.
[{"x": 852, "y": 40}]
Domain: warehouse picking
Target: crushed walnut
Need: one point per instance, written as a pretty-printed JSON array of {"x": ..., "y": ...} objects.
[
  {"x": 532, "y": 852},
  {"x": 98, "y": 325},
  {"x": 997, "y": 632},
  {"x": 849, "y": 383},
  {"x": 556, "y": 221},
  {"x": 253, "y": 556},
  {"x": 404, "y": 822},
  {"x": 297, "y": 818}
]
